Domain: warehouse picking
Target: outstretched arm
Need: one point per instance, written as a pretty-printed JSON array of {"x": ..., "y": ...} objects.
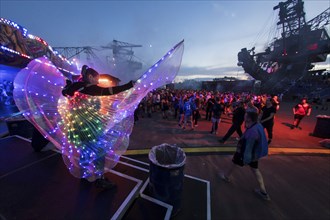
[
  {"x": 118, "y": 89},
  {"x": 95, "y": 90}
]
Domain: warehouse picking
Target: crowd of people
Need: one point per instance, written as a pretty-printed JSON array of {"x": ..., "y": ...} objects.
[
  {"x": 186, "y": 107},
  {"x": 6, "y": 92}
]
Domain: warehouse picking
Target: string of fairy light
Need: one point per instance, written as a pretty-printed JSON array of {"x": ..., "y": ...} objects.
[{"x": 25, "y": 34}]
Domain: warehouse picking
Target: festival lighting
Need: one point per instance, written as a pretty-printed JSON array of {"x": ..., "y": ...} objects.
[
  {"x": 105, "y": 82},
  {"x": 24, "y": 32},
  {"x": 14, "y": 25},
  {"x": 15, "y": 52}
]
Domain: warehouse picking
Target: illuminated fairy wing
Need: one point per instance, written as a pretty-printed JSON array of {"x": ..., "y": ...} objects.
[
  {"x": 92, "y": 132},
  {"x": 37, "y": 89}
]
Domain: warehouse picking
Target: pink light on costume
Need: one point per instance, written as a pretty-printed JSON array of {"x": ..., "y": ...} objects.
[{"x": 92, "y": 132}]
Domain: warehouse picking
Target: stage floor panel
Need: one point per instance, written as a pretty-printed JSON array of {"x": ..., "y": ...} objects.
[
  {"x": 16, "y": 153},
  {"x": 145, "y": 210},
  {"x": 195, "y": 202}
]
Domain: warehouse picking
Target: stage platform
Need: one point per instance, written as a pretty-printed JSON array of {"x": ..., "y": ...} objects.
[{"x": 37, "y": 185}]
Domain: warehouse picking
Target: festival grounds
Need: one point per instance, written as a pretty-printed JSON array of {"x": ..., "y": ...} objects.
[{"x": 296, "y": 172}]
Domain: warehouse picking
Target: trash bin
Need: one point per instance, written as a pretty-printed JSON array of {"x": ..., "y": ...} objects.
[
  {"x": 166, "y": 174},
  {"x": 322, "y": 126}
]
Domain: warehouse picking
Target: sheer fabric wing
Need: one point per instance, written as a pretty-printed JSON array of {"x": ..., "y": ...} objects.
[
  {"x": 92, "y": 132},
  {"x": 37, "y": 89}
]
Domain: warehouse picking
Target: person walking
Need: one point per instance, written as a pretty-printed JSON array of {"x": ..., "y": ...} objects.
[
  {"x": 217, "y": 110},
  {"x": 300, "y": 111},
  {"x": 196, "y": 114},
  {"x": 187, "y": 109},
  {"x": 209, "y": 106},
  {"x": 237, "y": 121},
  {"x": 267, "y": 118},
  {"x": 251, "y": 147}
]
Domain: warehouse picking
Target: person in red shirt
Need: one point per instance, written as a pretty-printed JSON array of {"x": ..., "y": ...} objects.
[{"x": 300, "y": 111}]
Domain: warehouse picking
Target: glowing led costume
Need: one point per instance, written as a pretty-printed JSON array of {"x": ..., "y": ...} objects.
[{"x": 92, "y": 132}]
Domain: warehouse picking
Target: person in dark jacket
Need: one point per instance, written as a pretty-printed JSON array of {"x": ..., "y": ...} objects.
[
  {"x": 237, "y": 121},
  {"x": 267, "y": 118},
  {"x": 217, "y": 109},
  {"x": 209, "y": 105}
]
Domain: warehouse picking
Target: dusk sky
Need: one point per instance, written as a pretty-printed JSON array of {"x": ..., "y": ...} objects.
[{"x": 214, "y": 31}]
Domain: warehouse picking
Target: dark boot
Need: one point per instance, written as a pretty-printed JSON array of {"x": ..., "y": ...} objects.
[{"x": 104, "y": 183}]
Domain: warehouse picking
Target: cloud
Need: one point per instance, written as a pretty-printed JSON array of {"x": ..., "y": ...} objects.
[
  {"x": 208, "y": 70},
  {"x": 209, "y": 73}
]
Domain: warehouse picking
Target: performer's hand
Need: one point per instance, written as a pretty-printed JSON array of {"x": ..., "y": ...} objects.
[
  {"x": 131, "y": 83},
  {"x": 64, "y": 91},
  {"x": 134, "y": 82},
  {"x": 68, "y": 82}
]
